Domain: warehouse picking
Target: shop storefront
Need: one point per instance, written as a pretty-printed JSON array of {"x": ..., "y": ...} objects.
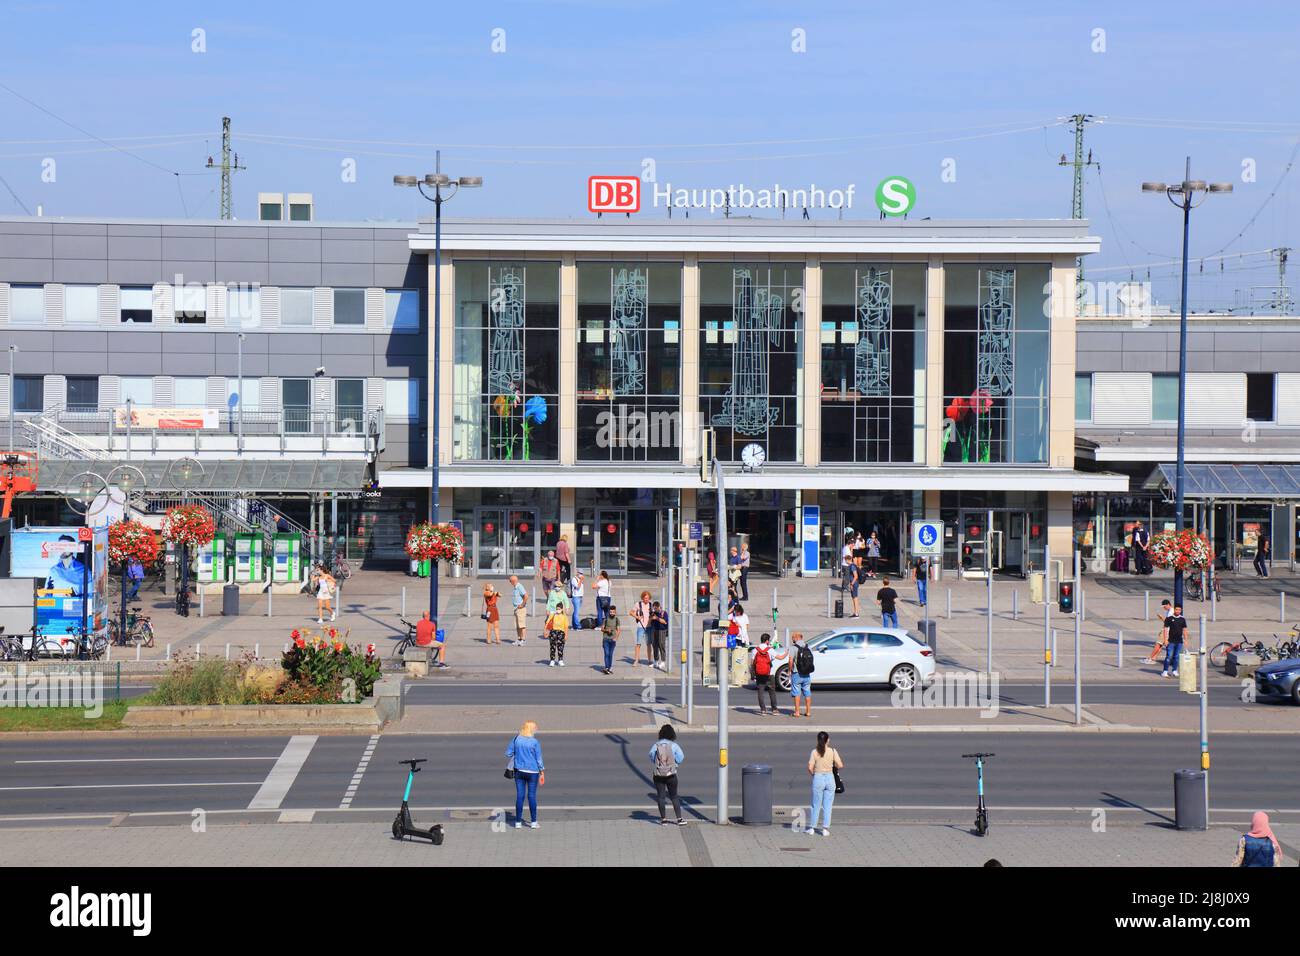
[{"x": 1016, "y": 539}]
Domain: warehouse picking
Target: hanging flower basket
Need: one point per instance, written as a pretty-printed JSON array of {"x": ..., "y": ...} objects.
[
  {"x": 188, "y": 525},
  {"x": 132, "y": 541},
  {"x": 1181, "y": 550},
  {"x": 443, "y": 542}
]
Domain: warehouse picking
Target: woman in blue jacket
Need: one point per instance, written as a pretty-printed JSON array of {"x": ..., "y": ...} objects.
[{"x": 525, "y": 756}]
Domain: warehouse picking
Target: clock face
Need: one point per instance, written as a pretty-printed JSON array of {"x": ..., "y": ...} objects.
[{"x": 752, "y": 456}]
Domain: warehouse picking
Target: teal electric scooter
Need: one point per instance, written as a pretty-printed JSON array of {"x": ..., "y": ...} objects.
[
  {"x": 981, "y": 812},
  {"x": 403, "y": 825}
]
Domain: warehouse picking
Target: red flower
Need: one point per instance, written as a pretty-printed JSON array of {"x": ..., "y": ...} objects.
[
  {"x": 299, "y": 642},
  {"x": 294, "y": 634},
  {"x": 338, "y": 647}
]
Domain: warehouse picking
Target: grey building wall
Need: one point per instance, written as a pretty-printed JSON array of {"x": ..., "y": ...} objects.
[{"x": 1212, "y": 346}]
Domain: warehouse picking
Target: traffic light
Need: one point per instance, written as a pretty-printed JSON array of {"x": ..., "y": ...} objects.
[
  {"x": 702, "y": 596},
  {"x": 1065, "y": 597}
]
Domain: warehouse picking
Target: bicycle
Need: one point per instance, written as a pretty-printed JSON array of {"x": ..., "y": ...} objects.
[
  {"x": 1220, "y": 651},
  {"x": 1196, "y": 590},
  {"x": 981, "y": 812},
  {"x": 11, "y": 648},
  {"x": 183, "y": 601},
  {"x": 52, "y": 647},
  {"x": 408, "y": 641},
  {"x": 139, "y": 630}
]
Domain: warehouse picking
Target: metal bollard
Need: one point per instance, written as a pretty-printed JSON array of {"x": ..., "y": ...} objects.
[
  {"x": 1015, "y": 605},
  {"x": 1146, "y": 605},
  {"x": 1281, "y": 606},
  {"x": 950, "y": 603},
  {"x": 201, "y": 596},
  {"x": 270, "y": 600},
  {"x": 227, "y": 651},
  {"x": 1214, "y": 605},
  {"x": 137, "y": 651},
  {"x": 257, "y": 652},
  {"x": 468, "y": 598},
  {"x": 1119, "y": 650},
  {"x": 169, "y": 652},
  {"x": 109, "y": 653},
  {"x": 829, "y": 591},
  {"x": 403, "y": 600}
]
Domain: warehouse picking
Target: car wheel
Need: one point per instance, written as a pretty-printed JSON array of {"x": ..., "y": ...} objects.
[
  {"x": 1295, "y": 692},
  {"x": 783, "y": 679},
  {"x": 903, "y": 677}
]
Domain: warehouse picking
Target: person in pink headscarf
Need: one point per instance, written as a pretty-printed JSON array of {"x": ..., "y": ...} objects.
[{"x": 1259, "y": 847}]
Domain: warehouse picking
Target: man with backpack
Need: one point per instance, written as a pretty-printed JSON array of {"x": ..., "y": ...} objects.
[
  {"x": 801, "y": 675},
  {"x": 763, "y": 675},
  {"x": 666, "y": 756}
]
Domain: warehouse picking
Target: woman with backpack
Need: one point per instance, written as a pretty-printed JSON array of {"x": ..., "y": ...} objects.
[
  {"x": 823, "y": 765},
  {"x": 666, "y": 756},
  {"x": 526, "y": 767},
  {"x": 609, "y": 629},
  {"x": 763, "y": 675},
  {"x": 801, "y": 669}
]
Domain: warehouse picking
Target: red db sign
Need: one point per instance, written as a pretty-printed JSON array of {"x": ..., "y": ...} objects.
[
  {"x": 85, "y": 534},
  {"x": 614, "y": 194}
]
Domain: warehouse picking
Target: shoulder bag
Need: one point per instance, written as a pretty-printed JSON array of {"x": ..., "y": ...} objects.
[
  {"x": 510, "y": 765},
  {"x": 839, "y": 781}
]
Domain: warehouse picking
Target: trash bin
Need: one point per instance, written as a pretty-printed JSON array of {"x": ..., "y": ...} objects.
[
  {"x": 230, "y": 600},
  {"x": 1189, "y": 800},
  {"x": 756, "y": 794},
  {"x": 929, "y": 632},
  {"x": 1037, "y": 587}
]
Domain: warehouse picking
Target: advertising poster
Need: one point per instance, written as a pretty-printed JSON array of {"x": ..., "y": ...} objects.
[
  {"x": 54, "y": 556},
  {"x": 185, "y": 419}
]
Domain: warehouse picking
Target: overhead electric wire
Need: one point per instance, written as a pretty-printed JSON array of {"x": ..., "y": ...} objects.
[
  {"x": 15, "y": 195},
  {"x": 1267, "y": 199}
]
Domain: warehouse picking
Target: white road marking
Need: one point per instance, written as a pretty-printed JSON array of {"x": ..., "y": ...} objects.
[
  {"x": 127, "y": 786},
  {"x": 283, "y": 774},
  {"x": 359, "y": 773},
  {"x": 138, "y": 759}
]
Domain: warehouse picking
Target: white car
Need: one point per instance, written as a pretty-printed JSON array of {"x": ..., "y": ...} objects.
[{"x": 862, "y": 655}]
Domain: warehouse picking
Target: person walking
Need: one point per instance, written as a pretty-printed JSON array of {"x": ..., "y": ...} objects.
[
  {"x": 665, "y": 757},
  {"x": 577, "y": 590},
  {"x": 1158, "y": 649},
  {"x": 1263, "y": 549},
  {"x": 549, "y": 570},
  {"x": 921, "y": 574},
  {"x": 744, "y": 571},
  {"x": 658, "y": 636},
  {"x": 873, "y": 555},
  {"x": 557, "y": 632},
  {"x": 602, "y": 598},
  {"x": 609, "y": 629},
  {"x": 519, "y": 602},
  {"x": 823, "y": 762},
  {"x": 887, "y": 601},
  {"x": 641, "y": 614},
  {"x": 134, "y": 574},
  {"x": 1175, "y": 629},
  {"x": 763, "y": 679},
  {"x": 1259, "y": 847},
  {"x": 528, "y": 769},
  {"x": 324, "y": 594},
  {"x": 492, "y": 614},
  {"x": 801, "y": 674},
  {"x": 565, "y": 557}
]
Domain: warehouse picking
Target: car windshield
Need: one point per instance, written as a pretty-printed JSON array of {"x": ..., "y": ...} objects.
[{"x": 818, "y": 638}]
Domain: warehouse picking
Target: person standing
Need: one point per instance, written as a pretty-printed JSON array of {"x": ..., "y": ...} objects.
[
  {"x": 609, "y": 629},
  {"x": 565, "y": 557},
  {"x": 921, "y": 574},
  {"x": 886, "y": 600},
  {"x": 556, "y": 598},
  {"x": 557, "y": 632},
  {"x": 549, "y": 569},
  {"x": 873, "y": 555},
  {"x": 712, "y": 566},
  {"x": 801, "y": 674},
  {"x": 741, "y": 620},
  {"x": 529, "y": 771},
  {"x": 823, "y": 761},
  {"x": 1141, "y": 549},
  {"x": 1259, "y": 847},
  {"x": 641, "y": 614},
  {"x": 577, "y": 590},
  {"x": 1166, "y": 609},
  {"x": 733, "y": 569},
  {"x": 602, "y": 598},
  {"x": 1175, "y": 629},
  {"x": 763, "y": 675},
  {"x": 492, "y": 613},
  {"x": 1263, "y": 554},
  {"x": 665, "y": 757},
  {"x": 519, "y": 602},
  {"x": 134, "y": 574},
  {"x": 658, "y": 636},
  {"x": 744, "y": 571},
  {"x": 857, "y": 574}
]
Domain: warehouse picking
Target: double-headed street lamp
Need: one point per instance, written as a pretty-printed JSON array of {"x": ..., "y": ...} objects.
[
  {"x": 437, "y": 181},
  {"x": 1184, "y": 196}
]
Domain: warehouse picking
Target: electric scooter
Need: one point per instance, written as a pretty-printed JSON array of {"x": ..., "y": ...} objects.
[
  {"x": 403, "y": 825},
  {"x": 981, "y": 813}
]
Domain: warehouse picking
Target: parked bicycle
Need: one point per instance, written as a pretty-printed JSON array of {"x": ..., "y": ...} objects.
[
  {"x": 1196, "y": 590},
  {"x": 12, "y": 649},
  {"x": 139, "y": 630},
  {"x": 1220, "y": 651},
  {"x": 408, "y": 641}
]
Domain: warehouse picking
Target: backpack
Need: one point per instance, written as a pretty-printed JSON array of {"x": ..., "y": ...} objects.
[
  {"x": 665, "y": 759},
  {"x": 803, "y": 661},
  {"x": 762, "y": 662}
]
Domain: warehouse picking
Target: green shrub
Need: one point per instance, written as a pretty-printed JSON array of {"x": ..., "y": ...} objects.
[{"x": 197, "y": 683}]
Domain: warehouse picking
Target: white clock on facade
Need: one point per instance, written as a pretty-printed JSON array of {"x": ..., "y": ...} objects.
[{"x": 752, "y": 456}]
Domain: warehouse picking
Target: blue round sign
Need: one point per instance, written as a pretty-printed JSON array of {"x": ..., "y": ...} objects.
[{"x": 927, "y": 534}]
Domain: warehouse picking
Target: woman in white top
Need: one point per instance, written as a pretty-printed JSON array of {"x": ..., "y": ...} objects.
[
  {"x": 324, "y": 592},
  {"x": 741, "y": 620},
  {"x": 602, "y": 598}
]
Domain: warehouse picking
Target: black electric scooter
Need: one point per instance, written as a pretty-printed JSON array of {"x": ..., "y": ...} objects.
[
  {"x": 981, "y": 813},
  {"x": 403, "y": 825}
]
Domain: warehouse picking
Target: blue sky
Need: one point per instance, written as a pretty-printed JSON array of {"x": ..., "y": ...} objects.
[{"x": 588, "y": 87}]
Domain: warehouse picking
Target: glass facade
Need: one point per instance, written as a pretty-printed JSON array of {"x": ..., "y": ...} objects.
[
  {"x": 873, "y": 363},
  {"x": 751, "y": 371},
  {"x": 507, "y": 361},
  {"x": 629, "y": 361},
  {"x": 996, "y": 363}
]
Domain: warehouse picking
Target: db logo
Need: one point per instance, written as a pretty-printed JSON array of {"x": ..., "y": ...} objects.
[
  {"x": 614, "y": 194},
  {"x": 85, "y": 534}
]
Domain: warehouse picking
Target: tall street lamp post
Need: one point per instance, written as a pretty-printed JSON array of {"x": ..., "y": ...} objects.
[
  {"x": 437, "y": 181},
  {"x": 1184, "y": 196}
]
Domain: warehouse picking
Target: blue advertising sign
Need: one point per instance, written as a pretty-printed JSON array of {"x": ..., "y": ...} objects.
[
  {"x": 810, "y": 541},
  {"x": 55, "y": 558}
]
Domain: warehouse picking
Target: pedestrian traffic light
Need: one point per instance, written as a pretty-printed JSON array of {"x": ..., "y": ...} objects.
[
  {"x": 702, "y": 596},
  {"x": 1065, "y": 597}
]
